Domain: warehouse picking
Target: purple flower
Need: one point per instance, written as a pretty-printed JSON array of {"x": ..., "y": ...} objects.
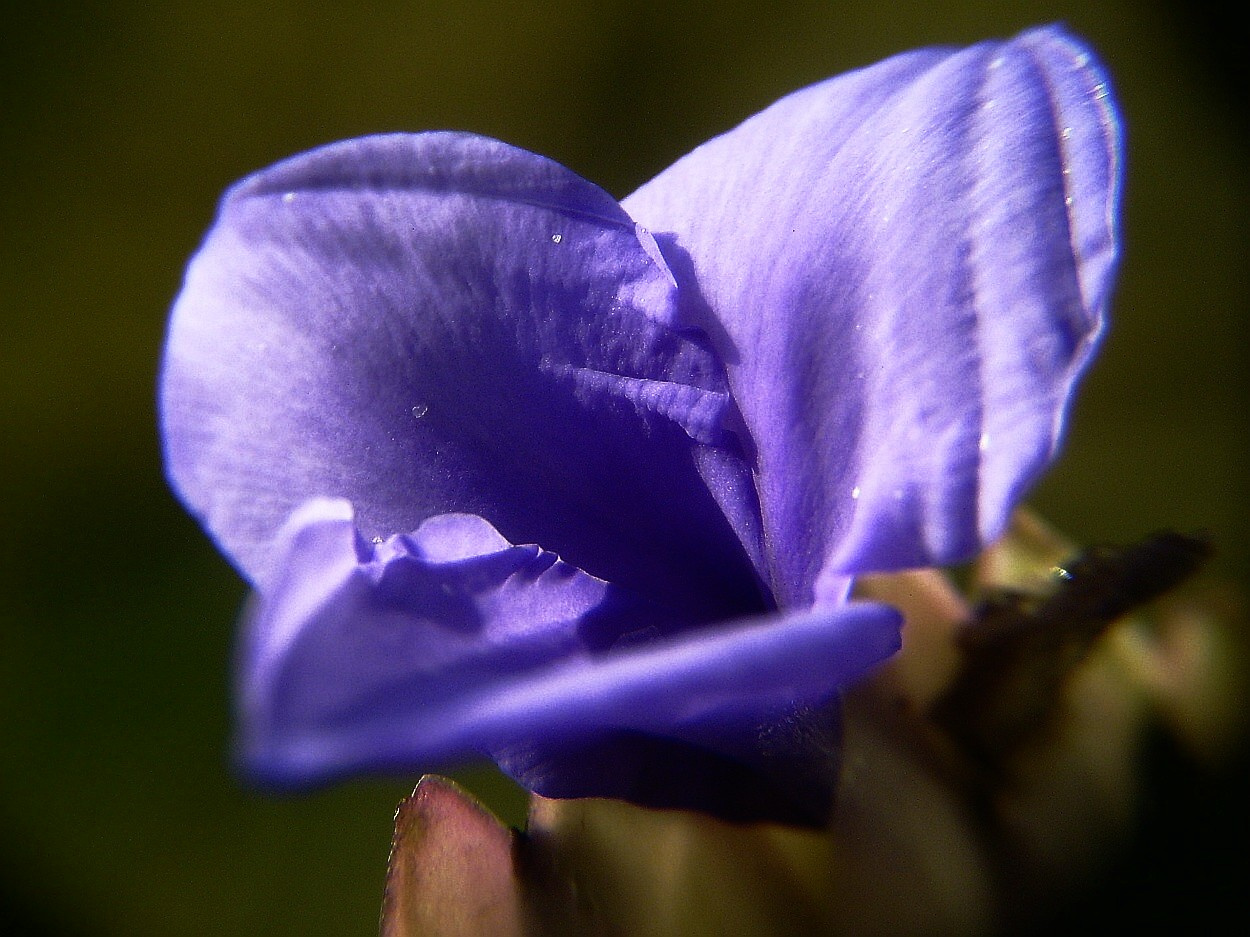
[{"x": 522, "y": 472}]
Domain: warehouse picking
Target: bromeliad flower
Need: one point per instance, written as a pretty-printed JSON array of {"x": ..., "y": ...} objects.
[{"x": 521, "y": 472}]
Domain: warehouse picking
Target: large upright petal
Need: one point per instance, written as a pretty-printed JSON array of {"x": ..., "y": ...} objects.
[
  {"x": 436, "y": 323},
  {"x": 906, "y": 269}
]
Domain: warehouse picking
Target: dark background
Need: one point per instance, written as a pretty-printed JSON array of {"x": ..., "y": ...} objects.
[{"x": 121, "y": 123}]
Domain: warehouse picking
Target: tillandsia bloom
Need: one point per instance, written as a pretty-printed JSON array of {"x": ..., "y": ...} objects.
[{"x": 521, "y": 472}]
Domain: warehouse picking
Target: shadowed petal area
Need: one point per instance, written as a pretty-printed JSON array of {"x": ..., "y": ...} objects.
[
  {"x": 906, "y": 270},
  {"x": 777, "y": 763},
  {"x": 441, "y": 323},
  {"x": 449, "y": 643}
]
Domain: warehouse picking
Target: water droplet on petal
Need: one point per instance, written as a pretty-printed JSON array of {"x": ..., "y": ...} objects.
[
  {"x": 376, "y": 540},
  {"x": 288, "y": 198},
  {"x": 1065, "y": 133},
  {"x": 420, "y": 410},
  {"x": 855, "y": 492},
  {"x": 984, "y": 442},
  {"x": 557, "y": 238}
]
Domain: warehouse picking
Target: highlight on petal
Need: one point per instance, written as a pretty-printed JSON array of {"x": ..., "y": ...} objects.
[
  {"x": 906, "y": 270},
  {"x": 440, "y": 323},
  {"x": 422, "y": 652}
]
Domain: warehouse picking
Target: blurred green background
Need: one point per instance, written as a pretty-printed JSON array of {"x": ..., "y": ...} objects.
[{"x": 120, "y": 124}]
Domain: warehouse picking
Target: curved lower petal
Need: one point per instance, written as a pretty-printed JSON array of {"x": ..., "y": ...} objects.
[
  {"x": 449, "y": 644},
  {"x": 439, "y": 323},
  {"x": 906, "y": 270}
]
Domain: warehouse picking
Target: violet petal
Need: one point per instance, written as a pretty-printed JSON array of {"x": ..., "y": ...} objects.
[
  {"x": 449, "y": 643},
  {"x": 906, "y": 270},
  {"x": 440, "y": 323}
]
